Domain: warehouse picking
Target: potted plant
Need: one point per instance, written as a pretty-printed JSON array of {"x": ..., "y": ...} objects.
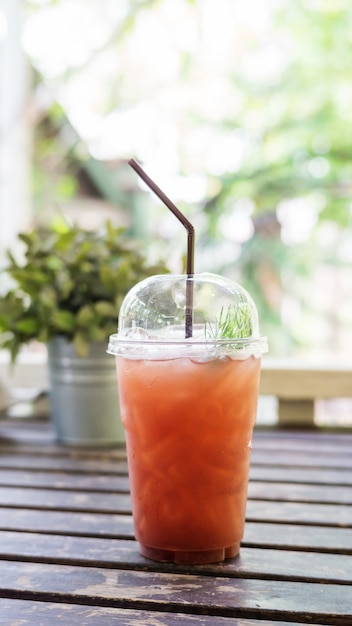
[{"x": 67, "y": 294}]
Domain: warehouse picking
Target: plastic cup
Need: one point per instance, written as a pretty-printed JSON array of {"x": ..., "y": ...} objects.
[{"x": 188, "y": 407}]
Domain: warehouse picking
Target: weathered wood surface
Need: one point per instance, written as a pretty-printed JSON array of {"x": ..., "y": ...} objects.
[
  {"x": 111, "y": 502},
  {"x": 192, "y": 593},
  {"x": 112, "y": 553},
  {"x": 49, "y": 614},
  {"x": 68, "y": 554}
]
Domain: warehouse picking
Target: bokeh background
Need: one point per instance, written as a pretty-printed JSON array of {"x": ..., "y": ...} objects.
[{"x": 241, "y": 112}]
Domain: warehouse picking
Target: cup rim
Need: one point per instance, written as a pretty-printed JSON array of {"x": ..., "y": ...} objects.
[{"x": 116, "y": 342}]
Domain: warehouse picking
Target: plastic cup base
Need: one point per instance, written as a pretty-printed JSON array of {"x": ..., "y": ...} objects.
[{"x": 196, "y": 557}]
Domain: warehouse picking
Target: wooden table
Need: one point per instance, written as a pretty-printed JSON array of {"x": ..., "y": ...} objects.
[{"x": 68, "y": 556}]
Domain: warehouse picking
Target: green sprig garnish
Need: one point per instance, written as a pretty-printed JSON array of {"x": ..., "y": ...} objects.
[{"x": 234, "y": 322}]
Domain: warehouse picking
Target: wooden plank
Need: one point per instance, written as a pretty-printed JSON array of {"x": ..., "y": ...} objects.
[
  {"x": 296, "y": 411},
  {"x": 273, "y": 433},
  {"x": 38, "y": 437},
  {"x": 292, "y": 536},
  {"x": 305, "y": 440},
  {"x": 48, "y": 448},
  {"x": 40, "y": 434},
  {"x": 114, "y": 526},
  {"x": 107, "y": 502},
  {"x": 64, "y": 522},
  {"x": 61, "y": 451},
  {"x": 112, "y": 483},
  {"x": 298, "y": 493},
  {"x": 119, "y": 467},
  {"x": 315, "y": 442},
  {"x": 29, "y": 613},
  {"x": 301, "y": 475},
  {"x": 26, "y": 431},
  {"x": 116, "y": 482},
  {"x": 62, "y": 463},
  {"x": 235, "y": 597},
  {"x": 294, "y": 563},
  {"x": 287, "y": 535},
  {"x": 17, "y": 441},
  {"x": 287, "y": 458},
  {"x": 292, "y": 378},
  {"x": 293, "y": 512},
  {"x": 62, "y": 480},
  {"x": 65, "y": 500},
  {"x": 98, "y": 523},
  {"x": 301, "y": 459},
  {"x": 122, "y": 554},
  {"x": 312, "y": 441},
  {"x": 259, "y": 509}
]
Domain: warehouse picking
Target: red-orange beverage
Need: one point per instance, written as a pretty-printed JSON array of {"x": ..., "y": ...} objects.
[{"x": 188, "y": 432}]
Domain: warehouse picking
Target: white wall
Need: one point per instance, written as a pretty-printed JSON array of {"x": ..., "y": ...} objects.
[{"x": 15, "y": 203}]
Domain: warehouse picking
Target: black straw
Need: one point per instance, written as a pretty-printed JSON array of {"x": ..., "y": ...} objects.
[{"x": 190, "y": 242}]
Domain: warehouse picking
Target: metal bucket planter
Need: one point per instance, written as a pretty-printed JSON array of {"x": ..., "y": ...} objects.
[{"x": 83, "y": 395}]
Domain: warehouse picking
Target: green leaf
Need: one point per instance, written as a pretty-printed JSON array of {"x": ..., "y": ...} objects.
[
  {"x": 71, "y": 283},
  {"x": 86, "y": 315},
  {"x": 28, "y": 238},
  {"x": 233, "y": 323},
  {"x": 97, "y": 334},
  {"x": 44, "y": 335},
  {"x": 66, "y": 187},
  {"x": 107, "y": 276},
  {"x": 65, "y": 284},
  {"x": 60, "y": 225},
  {"x": 54, "y": 262},
  {"x": 105, "y": 309},
  {"x": 48, "y": 297},
  {"x": 63, "y": 320},
  {"x": 29, "y": 326},
  {"x": 81, "y": 344},
  {"x": 87, "y": 267}
]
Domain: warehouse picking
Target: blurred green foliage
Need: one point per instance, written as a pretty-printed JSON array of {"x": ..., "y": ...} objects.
[
  {"x": 294, "y": 127},
  {"x": 300, "y": 126},
  {"x": 302, "y": 118},
  {"x": 71, "y": 283}
]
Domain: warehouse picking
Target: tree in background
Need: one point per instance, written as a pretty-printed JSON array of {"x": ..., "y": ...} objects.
[
  {"x": 242, "y": 113},
  {"x": 295, "y": 180}
]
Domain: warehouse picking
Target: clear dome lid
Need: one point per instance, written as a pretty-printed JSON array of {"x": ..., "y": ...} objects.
[{"x": 155, "y": 311}]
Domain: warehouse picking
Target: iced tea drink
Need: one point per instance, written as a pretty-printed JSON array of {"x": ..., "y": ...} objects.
[
  {"x": 188, "y": 431},
  {"x": 188, "y": 408}
]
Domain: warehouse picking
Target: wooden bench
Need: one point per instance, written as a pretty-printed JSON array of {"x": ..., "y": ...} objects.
[{"x": 297, "y": 384}]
